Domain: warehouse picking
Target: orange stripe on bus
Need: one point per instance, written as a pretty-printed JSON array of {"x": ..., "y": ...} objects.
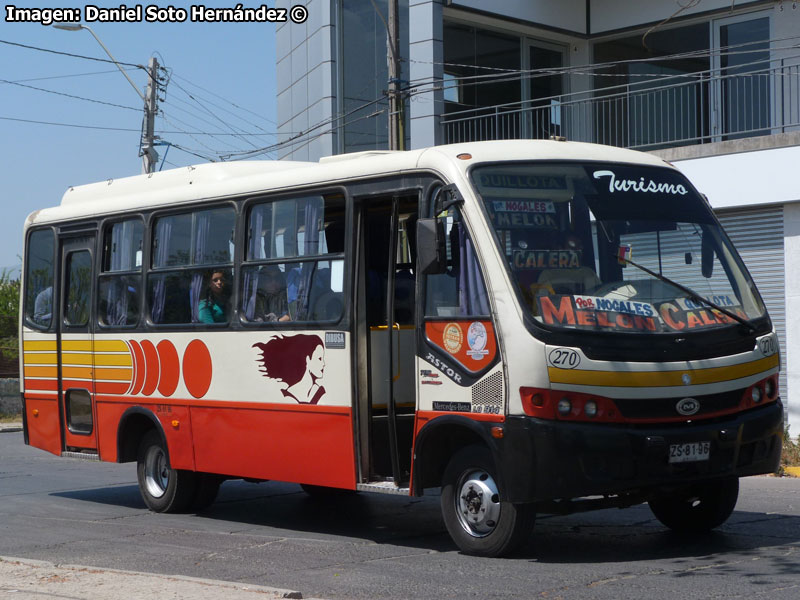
[{"x": 40, "y": 371}]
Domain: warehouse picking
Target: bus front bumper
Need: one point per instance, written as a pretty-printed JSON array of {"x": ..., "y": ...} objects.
[{"x": 554, "y": 460}]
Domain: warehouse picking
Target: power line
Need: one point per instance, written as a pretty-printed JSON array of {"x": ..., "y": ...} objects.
[
  {"x": 228, "y": 101},
  {"x": 38, "y": 89},
  {"x": 66, "y": 76},
  {"x": 212, "y": 113},
  {"x": 80, "y": 126},
  {"x": 70, "y": 54},
  {"x": 69, "y": 124}
]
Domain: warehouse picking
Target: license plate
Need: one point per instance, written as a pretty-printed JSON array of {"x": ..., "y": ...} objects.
[{"x": 690, "y": 452}]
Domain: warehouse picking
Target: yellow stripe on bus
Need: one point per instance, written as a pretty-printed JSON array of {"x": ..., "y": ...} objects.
[
  {"x": 661, "y": 378},
  {"x": 39, "y": 346},
  {"x": 76, "y": 345},
  {"x": 110, "y": 346},
  {"x": 113, "y": 360},
  {"x": 40, "y": 359}
]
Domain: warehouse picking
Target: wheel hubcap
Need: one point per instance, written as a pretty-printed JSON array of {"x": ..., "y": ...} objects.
[
  {"x": 156, "y": 472},
  {"x": 478, "y": 503}
]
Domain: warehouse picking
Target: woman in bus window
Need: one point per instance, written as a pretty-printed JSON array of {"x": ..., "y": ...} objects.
[
  {"x": 272, "y": 303},
  {"x": 213, "y": 306}
]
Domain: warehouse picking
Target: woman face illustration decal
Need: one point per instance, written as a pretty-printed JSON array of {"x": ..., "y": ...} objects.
[
  {"x": 315, "y": 364},
  {"x": 298, "y": 361}
]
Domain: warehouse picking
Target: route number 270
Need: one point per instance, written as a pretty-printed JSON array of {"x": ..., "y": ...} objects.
[{"x": 564, "y": 358}]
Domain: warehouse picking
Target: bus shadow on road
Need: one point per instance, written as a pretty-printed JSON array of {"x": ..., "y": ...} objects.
[
  {"x": 634, "y": 535},
  {"x": 283, "y": 509},
  {"x": 606, "y": 536}
]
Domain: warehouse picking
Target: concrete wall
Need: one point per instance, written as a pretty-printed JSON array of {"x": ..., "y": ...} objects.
[{"x": 10, "y": 402}]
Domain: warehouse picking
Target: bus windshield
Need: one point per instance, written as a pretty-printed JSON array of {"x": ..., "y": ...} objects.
[{"x": 619, "y": 248}]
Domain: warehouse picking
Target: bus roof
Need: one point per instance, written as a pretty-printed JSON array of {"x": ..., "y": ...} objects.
[{"x": 214, "y": 181}]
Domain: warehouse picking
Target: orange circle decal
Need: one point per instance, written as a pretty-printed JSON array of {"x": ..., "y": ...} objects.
[
  {"x": 151, "y": 370},
  {"x": 138, "y": 367},
  {"x": 197, "y": 368},
  {"x": 170, "y": 368}
]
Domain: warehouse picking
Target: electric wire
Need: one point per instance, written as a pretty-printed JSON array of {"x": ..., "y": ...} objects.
[
  {"x": 68, "y": 76},
  {"x": 39, "y": 89},
  {"x": 226, "y": 100},
  {"x": 72, "y": 55}
]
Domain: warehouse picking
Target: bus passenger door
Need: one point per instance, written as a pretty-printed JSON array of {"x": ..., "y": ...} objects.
[
  {"x": 386, "y": 301},
  {"x": 75, "y": 351}
]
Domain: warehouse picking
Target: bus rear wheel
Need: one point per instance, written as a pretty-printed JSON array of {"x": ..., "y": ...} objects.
[
  {"x": 163, "y": 489},
  {"x": 698, "y": 508},
  {"x": 478, "y": 521}
]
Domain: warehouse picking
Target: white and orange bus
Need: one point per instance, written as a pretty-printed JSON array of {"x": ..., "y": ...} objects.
[{"x": 533, "y": 326}]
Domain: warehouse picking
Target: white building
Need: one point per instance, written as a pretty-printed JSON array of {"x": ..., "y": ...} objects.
[{"x": 713, "y": 87}]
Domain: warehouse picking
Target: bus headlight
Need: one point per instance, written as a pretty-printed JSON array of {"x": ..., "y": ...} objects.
[
  {"x": 590, "y": 408},
  {"x": 564, "y": 407},
  {"x": 770, "y": 388}
]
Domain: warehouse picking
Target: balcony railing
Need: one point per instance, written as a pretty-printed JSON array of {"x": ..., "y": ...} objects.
[{"x": 695, "y": 108}]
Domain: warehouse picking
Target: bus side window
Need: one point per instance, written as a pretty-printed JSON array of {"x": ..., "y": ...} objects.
[
  {"x": 39, "y": 279},
  {"x": 190, "y": 250},
  {"x": 120, "y": 281},
  {"x": 460, "y": 291},
  {"x": 292, "y": 269}
]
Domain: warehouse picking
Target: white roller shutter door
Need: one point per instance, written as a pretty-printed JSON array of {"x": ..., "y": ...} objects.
[{"x": 758, "y": 236}]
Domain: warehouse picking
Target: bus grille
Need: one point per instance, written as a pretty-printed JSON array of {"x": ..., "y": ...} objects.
[{"x": 488, "y": 393}]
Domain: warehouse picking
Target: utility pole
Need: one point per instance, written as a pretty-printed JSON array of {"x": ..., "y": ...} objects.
[
  {"x": 396, "y": 132},
  {"x": 148, "y": 151}
]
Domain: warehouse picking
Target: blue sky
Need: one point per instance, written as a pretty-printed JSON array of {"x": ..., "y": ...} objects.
[{"x": 222, "y": 81}]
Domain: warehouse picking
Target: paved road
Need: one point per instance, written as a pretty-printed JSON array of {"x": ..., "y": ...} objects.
[{"x": 370, "y": 546}]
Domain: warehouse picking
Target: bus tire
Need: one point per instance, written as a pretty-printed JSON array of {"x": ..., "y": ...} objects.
[
  {"x": 163, "y": 489},
  {"x": 699, "y": 508},
  {"x": 476, "y": 519},
  {"x": 207, "y": 490}
]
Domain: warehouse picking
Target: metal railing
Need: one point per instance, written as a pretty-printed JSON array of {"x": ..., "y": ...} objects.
[{"x": 695, "y": 108}]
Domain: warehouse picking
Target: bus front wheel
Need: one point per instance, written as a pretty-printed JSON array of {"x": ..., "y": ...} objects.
[
  {"x": 698, "y": 508},
  {"x": 478, "y": 521},
  {"x": 163, "y": 489}
]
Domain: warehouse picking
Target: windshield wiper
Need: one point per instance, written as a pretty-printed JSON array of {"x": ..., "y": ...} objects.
[{"x": 693, "y": 296}]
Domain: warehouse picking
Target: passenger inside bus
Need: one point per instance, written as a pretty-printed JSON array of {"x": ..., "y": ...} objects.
[
  {"x": 271, "y": 300},
  {"x": 213, "y": 306}
]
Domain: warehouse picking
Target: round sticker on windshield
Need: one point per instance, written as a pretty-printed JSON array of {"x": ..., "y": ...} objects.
[
  {"x": 477, "y": 339},
  {"x": 452, "y": 338}
]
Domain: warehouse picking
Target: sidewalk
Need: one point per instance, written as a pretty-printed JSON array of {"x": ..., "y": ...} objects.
[
  {"x": 32, "y": 579},
  {"x": 10, "y": 427}
]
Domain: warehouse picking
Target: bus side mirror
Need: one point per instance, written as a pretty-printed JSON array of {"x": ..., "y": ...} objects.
[
  {"x": 446, "y": 196},
  {"x": 706, "y": 256},
  {"x": 431, "y": 249}
]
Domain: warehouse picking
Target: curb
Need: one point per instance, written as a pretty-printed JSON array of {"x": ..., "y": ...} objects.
[
  {"x": 10, "y": 427},
  {"x": 46, "y": 578},
  {"x": 792, "y": 471}
]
